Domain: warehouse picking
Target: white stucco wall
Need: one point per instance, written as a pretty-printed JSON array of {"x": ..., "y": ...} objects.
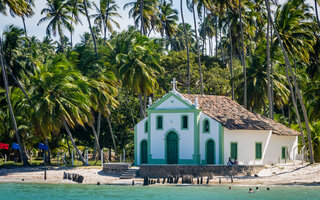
[
  {"x": 172, "y": 122},
  {"x": 213, "y": 134},
  {"x": 271, "y": 146},
  {"x": 141, "y": 135},
  {"x": 172, "y": 103}
]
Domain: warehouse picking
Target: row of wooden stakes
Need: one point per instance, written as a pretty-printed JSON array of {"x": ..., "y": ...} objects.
[
  {"x": 186, "y": 179},
  {"x": 74, "y": 177}
]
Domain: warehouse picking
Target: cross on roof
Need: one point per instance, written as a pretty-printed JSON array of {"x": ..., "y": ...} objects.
[{"x": 174, "y": 82}]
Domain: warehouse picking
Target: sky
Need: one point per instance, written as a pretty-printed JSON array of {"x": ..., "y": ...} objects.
[{"x": 125, "y": 21}]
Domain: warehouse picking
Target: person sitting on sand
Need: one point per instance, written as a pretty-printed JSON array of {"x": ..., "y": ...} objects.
[{"x": 250, "y": 190}]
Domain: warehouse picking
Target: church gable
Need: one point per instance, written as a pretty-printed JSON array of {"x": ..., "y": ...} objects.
[{"x": 172, "y": 101}]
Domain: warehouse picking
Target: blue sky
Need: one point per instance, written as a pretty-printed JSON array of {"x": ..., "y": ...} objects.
[{"x": 40, "y": 31}]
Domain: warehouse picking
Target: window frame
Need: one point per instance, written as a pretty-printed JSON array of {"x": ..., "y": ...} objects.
[
  {"x": 204, "y": 126},
  {"x": 182, "y": 117},
  {"x": 256, "y": 150},
  {"x": 285, "y": 148},
  {"x": 157, "y": 122}
]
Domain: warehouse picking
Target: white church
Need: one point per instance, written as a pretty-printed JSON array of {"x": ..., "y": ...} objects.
[{"x": 195, "y": 129}]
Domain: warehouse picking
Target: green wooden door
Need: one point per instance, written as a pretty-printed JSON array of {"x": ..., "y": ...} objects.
[
  {"x": 210, "y": 152},
  {"x": 144, "y": 152},
  {"x": 172, "y": 148}
]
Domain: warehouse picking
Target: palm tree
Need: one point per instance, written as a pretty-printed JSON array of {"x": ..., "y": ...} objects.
[
  {"x": 137, "y": 61},
  {"x": 106, "y": 10},
  {"x": 187, "y": 44},
  {"x": 30, "y": 4},
  {"x": 297, "y": 90},
  {"x": 58, "y": 98},
  {"x": 87, "y": 5},
  {"x": 191, "y": 7},
  {"x": 19, "y": 8},
  {"x": 6, "y": 85},
  {"x": 243, "y": 59},
  {"x": 76, "y": 8},
  {"x": 58, "y": 14},
  {"x": 144, "y": 14},
  {"x": 168, "y": 20}
]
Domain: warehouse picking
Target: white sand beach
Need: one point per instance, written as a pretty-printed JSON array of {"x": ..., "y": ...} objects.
[{"x": 288, "y": 174}]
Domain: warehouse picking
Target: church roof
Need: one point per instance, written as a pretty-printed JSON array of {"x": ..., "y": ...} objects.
[{"x": 234, "y": 117}]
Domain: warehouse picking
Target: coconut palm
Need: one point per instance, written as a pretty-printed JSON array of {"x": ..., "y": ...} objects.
[
  {"x": 17, "y": 7},
  {"x": 104, "y": 19},
  {"x": 76, "y": 8},
  {"x": 144, "y": 14},
  {"x": 191, "y": 7},
  {"x": 58, "y": 14},
  {"x": 168, "y": 20},
  {"x": 297, "y": 90},
  {"x": 58, "y": 98}
]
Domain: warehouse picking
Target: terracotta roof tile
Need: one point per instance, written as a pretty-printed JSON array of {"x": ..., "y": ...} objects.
[{"x": 233, "y": 116}]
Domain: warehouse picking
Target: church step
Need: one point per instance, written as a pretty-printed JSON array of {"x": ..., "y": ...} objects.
[{"x": 130, "y": 173}]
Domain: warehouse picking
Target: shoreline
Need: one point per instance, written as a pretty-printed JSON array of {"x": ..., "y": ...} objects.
[{"x": 278, "y": 175}]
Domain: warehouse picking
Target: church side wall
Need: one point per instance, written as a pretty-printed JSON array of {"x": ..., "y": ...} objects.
[
  {"x": 271, "y": 146},
  {"x": 140, "y": 136},
  {"x": 213, "y": 134}
]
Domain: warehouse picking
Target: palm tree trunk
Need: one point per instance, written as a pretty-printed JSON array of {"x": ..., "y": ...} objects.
[
  {"x": 198, "y": 49},
  {"x": 287, "y": 64},
  {"x": 268, "y": 70},
  {"x": 243, "y": 60},
  {"x": 90, "y": 27},
  {"x": 106, "y": 24},
  {"x": 5, "y": 79},
  {"x": 96, "y": 138},
  {"x": 24, "y": 26},
  {"x": 112, "y": 137},
  {"x": 216, "y": 33},
  {"x": 231, "y": 67},
  {"x": 143, "y": 29},
  {"x": 187, "y": 45},
  {"x": 204, "y": 31},
  {"x": 61, "y": 38},
  {"x": 316, "y": 11},
  {"x": 272, "y": 91},
  {"x": 72, "y": 141}
]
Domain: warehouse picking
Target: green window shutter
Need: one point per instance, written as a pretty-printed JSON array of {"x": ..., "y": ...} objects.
[
  {"x": 146, "y": 127},
  {"x": 283, "y": 152},
  {"x": 159, "y": 122},
  {"x": 258, "y": 150},
  {"x": 184, "y": 122},
  {"x": 234, "y": 150}
]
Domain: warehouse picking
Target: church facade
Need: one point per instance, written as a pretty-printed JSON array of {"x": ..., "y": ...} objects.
[{"x": 208, "y": 129}]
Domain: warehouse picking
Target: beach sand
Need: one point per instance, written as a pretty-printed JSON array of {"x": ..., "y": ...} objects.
[{"x": 285, "y": 174}]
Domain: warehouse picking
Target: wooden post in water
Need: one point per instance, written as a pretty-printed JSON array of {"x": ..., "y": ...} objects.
[
  {"x": 201, "y": 180},
  {"x": 231, "y": 179},
  {"x": 219, "y": 180},
  {"x": 208, "y": 180},
  {"x": 198, "y": 180},
  {"x": 45, "y": 174}
]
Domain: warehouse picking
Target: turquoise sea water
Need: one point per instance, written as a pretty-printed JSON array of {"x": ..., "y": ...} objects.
[{"x": 26, "y": 191}]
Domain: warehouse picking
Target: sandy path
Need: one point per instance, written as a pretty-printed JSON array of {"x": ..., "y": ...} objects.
[{"x": 271, "y": 175}]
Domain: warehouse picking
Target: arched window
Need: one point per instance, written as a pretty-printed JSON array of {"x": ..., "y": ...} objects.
[{"x": 206, "y": 126}]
